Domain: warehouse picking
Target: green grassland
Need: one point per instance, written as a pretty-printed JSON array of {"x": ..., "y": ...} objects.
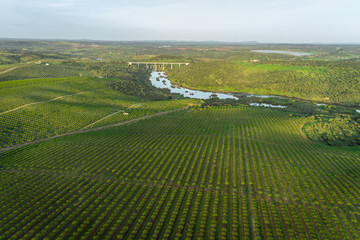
[{"x": 217, "y": 173}]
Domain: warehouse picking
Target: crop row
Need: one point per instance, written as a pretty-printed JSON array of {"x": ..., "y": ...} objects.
[
  {"x": 54, "y": 110},
  {"x": 45, "y": 71},
  {"x": 228, "y": 172}
]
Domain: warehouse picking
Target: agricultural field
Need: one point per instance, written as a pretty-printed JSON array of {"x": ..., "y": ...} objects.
[
  {"x": 213, "y": 173},
  {"x": 45, "y": 71},
  {"x": 89, "y": 149},
  {"x": 36, "y": 109}
]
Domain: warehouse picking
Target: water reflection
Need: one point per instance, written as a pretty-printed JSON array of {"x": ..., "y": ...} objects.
[
  {"x": 266, "y": 105},
  {"x": 160, "y": 81},
  {"x": 299, "y": 54}
]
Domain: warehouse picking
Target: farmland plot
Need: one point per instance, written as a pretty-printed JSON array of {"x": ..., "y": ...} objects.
[
  {"x": 218, "y": 173},
  {"x": 44, "y": 71},
  {"x": 36, "y": 109}
]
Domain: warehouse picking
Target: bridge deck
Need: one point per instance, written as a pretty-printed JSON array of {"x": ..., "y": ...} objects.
[{"x": 160, "y": 63}]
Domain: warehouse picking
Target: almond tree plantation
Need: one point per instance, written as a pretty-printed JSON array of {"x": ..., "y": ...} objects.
[
  {"x": 223, "y": 172},
  {"x": 90, "y": 149}
]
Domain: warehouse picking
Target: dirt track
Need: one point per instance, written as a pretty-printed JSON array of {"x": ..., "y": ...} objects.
[
  {"x": 89, "y": 130},
  {"x": 8, "y": 70},
  {"x": 29, "y": 104}
]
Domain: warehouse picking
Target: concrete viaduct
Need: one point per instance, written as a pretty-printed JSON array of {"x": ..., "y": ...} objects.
[{"x": 156, "y": 64}]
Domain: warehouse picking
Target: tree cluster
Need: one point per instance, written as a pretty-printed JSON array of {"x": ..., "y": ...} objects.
[{"x": 340, "y": 130}]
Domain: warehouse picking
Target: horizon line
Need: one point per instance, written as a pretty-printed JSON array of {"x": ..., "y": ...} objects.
[{"x": 249, "y": 42}]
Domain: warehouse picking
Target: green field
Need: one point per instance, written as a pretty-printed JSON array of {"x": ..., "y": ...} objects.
[
  {"x": 112, "y": 157},
  {"x": 44, "y": 71},
  {"x": 36, "y": 109},
  {"x": 219, "y": 173}
]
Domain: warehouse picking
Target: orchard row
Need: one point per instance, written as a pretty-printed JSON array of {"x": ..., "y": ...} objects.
[{"x": 219, "y": 173}]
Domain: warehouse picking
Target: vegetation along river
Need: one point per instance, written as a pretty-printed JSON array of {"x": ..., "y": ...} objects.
[
  {"x": 160, "y": 81},
  {"x": 299, "y": 54}
]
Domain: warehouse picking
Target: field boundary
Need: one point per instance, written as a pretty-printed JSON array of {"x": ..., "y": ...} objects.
[
  {"x": 118, "y": 111},
  {"x": 91, "y": 124},
  {"x": 90, "y": 130},
  {"x": 33, "y": 103},
  {"x": 9, "y": 70}
]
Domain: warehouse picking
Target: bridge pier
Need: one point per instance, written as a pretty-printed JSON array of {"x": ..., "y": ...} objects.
[{"x": 154, "y": 64}]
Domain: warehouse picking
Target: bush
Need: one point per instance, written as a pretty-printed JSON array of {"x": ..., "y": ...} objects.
[{"x": 340, "y": 130}]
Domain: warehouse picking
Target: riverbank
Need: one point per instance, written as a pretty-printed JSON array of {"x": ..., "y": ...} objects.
[{"x": 308, "y": 83}]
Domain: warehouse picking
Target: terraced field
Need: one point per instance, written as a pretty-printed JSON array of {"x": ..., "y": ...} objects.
[{"x": 218, "y": 173}]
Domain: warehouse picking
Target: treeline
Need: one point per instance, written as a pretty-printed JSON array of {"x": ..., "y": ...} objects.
[
  {"x": 353, "y": 63},
  {"x": 117, "y": 69},
  {"x": 21, "y": 56},
  {"x": 130, "y": 80},
  {"x": 333, "y": 125},
  {"x": 338, "y": 84},
  {"x": 139, "y": 89},
  {"x": 294, "y": 106}
]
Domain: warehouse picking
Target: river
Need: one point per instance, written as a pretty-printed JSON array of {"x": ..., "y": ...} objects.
[
  {"x": 299, "y": 54},
  {"x": 158, "y": 80}
]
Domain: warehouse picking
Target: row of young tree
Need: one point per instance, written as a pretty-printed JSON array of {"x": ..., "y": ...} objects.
[{"x": 219, "y": 173}]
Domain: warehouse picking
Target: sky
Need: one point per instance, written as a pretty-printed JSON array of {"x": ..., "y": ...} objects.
[{"x": 267, "y": 21}]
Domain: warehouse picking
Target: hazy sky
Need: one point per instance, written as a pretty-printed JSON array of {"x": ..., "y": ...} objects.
[{"x": 293, "y": 21}]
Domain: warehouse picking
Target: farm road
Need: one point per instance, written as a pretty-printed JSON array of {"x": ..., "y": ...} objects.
[
  {"x": 9, "y": 70},
  {"x": 29, "y": 104},
  {"x": 91, "y": 130},
  {"x": 118, "y": 111}
]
